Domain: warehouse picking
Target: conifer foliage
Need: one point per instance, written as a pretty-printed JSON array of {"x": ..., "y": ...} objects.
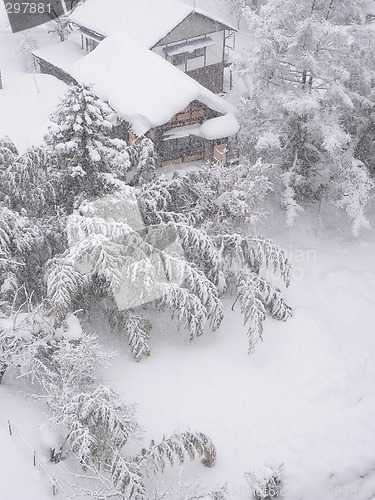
[
  {"x": 80, "y": 137},
  {"x": 163, "y": 244}
]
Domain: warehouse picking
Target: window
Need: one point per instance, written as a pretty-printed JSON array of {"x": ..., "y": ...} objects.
[
  {"x": 182, "y": 58},
  {"x": 172, "y": 149},
  {"x": 180, "y": 53}
]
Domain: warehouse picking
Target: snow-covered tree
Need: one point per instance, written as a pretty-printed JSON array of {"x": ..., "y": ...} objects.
[
  {"x": 237, "y": 7},
  {"x": 143, "y": 158},
  {"x": 64, "y": 365},
  {"x": 310, "y": 78},
  {"x": 32, "y": 227},
  {"x": 90, "y": 159},
  {"x": 28, "y": 183},
  {"x": 20, "y": 248},
  {"x": 170, "y": 243},
  {"x": 8, "y": 152}
]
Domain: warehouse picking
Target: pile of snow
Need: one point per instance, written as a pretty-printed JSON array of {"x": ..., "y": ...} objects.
[
  {"x": 222, "y": 126},
  {"x": 26, "y": 99}
]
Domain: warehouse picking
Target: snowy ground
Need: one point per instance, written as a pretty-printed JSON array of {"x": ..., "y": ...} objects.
[
  {"x": 19, "y": 478},
  {"x": 27, "y": 99},
  {"x": 305, "y": 398}
]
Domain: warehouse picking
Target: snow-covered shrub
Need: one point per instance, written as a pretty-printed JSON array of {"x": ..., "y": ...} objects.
[
  {"x": 62, "y": 26},
  {"x": 24, "y": 52},
  {"x": 188, "y": 490},
  {"x": 310, "y": 103},
  {"x": 266, "y": 484},
  {"x": 63, "y": 365}
]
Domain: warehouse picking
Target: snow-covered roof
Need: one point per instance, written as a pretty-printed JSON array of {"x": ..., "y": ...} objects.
[
  {"x": 143, "y": 88},
  {"x": 62, "y": 55},
  {"x": 215, "y": 128},
  {"x": 146, "y": 21},
  {"x": 222, "y": 126}
]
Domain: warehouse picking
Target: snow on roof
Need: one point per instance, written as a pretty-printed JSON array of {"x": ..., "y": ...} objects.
[
  {"x": 143, "y": 88},
  {"x": 146, "y": 21},
  {"x": 215, "y": 128},
  {"x": 190, "y": 46},
  {"x": 62, "y": 55},
  {"x": 222, "y": 126}
]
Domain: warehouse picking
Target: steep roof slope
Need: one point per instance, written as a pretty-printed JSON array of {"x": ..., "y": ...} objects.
[{"x": 146, "y": 21}]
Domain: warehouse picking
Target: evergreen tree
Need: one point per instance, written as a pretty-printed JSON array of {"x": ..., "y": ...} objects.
[
  {"x": 32, "y": 227},
  {"x": 172, "y": 244},
  {"x": 145, "y": 164},
  {"x": 81, "y": 139},
  {"x": 311, "y": 96}
]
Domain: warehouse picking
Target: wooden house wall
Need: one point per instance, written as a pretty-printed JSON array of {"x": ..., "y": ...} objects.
[
  {"x": 50, "y": 69},
  {"x": 194, "y": 25},
  {"x": 211, "y": 77},
  {"x": 208, "y": 70},
  {"x": 188, "y": 148}
]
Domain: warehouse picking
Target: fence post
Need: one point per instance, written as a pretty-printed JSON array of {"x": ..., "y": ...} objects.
[
  {"x": 34, "y": 458},
  {"x": 1, "y": 82},
  {"x": 54, "y": 488},
  {"x": 10, "y": 428}
]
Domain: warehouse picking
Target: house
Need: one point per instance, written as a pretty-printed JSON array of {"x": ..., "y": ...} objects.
[
  {"x": 190, "y": 39},
  {"x": 150, "y": 59}
]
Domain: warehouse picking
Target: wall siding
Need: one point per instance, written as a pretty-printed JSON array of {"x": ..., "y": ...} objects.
[
  {"x": 50, "y": 69},
  {"x": 194, "y": 25},
  {"x": 211, "y": 77}
]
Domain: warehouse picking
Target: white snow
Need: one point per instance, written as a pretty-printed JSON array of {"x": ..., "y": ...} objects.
[
  {"x": 222, "y": 126},
  {"x": 73, "y": 330},
  {"x": 181, "y": 48},
  {"x": 27, "y": 99},
  {"x": 305, "y": 399},
  {"x": 147, "y": 21},
  {"x": 215, "y": 128},
  {"x": 62, "y": 55},
  {"x": 19, "y": 478},
  {"x": 143, "y": 88},
  {"x": 26, "y": 102}
]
